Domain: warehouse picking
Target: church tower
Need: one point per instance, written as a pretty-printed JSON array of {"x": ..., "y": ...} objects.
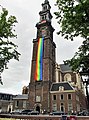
[{"x": 43, "y": 62}]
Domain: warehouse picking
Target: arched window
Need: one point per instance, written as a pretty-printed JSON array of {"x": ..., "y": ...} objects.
[
  {"x": 45, "y": 7},
  {"x": 62, "y": 107},
  {"x": 67, "y": 77}
]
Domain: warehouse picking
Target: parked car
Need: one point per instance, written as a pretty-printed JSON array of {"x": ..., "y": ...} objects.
[
  {"x": 57, "y": 113},
  {"x": 16, "y": 112},
  {"x": 26, "y": 112},
  {"x": 33, "y": 113},
  {"x": 83, "y": 113}
]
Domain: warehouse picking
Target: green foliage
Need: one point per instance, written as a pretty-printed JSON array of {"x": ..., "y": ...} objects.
[
  {"x": 8, "y": 50},
  {"x": 81, "y": 58},
  {"x": 73, "y": 17}
]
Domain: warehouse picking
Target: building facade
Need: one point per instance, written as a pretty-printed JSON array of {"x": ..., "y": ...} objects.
[
  {"x": 68, "y": 91},
  {"x": 20, "y": 102},
  {"x": 6, "y": 102}
]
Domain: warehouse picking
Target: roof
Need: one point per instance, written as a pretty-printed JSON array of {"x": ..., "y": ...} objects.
[
  {"x": 23, "y": 96},
  {"x": 65, "y": 68},
  {"x": 65, "y": 85},
  {"x": 5, "y": 94}
]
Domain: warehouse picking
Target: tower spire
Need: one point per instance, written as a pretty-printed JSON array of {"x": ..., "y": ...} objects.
[
  {"x": 44, "y": 27},
  {"x": 46, "y": 1},
  {"x": 45, "y": 13}
]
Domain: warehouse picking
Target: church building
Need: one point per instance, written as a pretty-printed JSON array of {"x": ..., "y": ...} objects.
[{"x": 52, "y": 87}]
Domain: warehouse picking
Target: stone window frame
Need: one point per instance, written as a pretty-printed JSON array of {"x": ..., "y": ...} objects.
[
  {"x": 67, "y": 77},
  {"x": 69, "y": 96},
  {"x": 16, "y": 103},
  {"x": 62, "y": 106},
  {"x": 70, "y": 106},
  {"x": 54, "y": 106},
  {"x": 54, "y": 97},
  {"x": 45, "y": 7},
  {"x": 77, "y": 97},
  {"x": 61, "y": 95},
  {"x": 24, "y": 103},
  {"x": 43, "y": 17},
  {"x": 38, "y": 98}
]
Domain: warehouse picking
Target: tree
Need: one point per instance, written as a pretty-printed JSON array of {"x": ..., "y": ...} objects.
[
  {"x": 80, "y": 61},
  {"x": 73, "y": 18},
  {"x": 8, "y": 50}
]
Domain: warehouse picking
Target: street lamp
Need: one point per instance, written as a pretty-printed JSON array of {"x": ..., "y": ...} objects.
[{"x": 85, "y": 80}]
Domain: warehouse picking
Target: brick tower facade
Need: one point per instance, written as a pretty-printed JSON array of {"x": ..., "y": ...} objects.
[{"x": 39, "y": 91}]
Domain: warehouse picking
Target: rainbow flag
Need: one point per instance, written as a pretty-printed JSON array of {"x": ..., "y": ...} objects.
[{"x": 39, "y": 60}]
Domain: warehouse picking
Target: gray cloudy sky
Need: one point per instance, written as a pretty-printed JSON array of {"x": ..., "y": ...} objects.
[{"x": 27, "y": 14}]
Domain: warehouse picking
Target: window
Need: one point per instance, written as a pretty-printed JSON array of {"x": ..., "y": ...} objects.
[
  {"x": 11, "y": 97},
  {"x": 54, "y": 97},
  {"x": 24, "y": 104},
  {"x": 61, "y": 97},
  {"x": 77, "y": 97},
  {"x": 54, "y": 107},
  {"x": 78, "y": 107},
  {"x": 45, "y": 8},
  {"x": 67, "y": 77},
  {"x": 16, "y": 103},
  {"x": 62, "y": 107},
  {"x": 38, "y": 98},
  {"x": 69, "y": 97},
  {"x": 44, "y": 17},
  {"x": 70, "y": 107}
]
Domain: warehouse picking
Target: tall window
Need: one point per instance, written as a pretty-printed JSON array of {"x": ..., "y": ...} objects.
[
  {"x": 77, "y": 97},
  {"x": 42, "y": 17},
  {"x": 67, "y": 77},
  {"x": 69, "y": 97},
  {"x": 16, "y": 103},
  {"x": 78, "y": 107},
  {"x": 38, "y": 98},
  {"x": 45, "y": 8},
  {"x": 54, "y": 97},
  {"x": 70, "y": 107},
  {"x": 54, "y": 106},
  {"x": 61, "y": 97},
  {"x": 24, "y": 104},
  {"x": 62, "y": 107}
]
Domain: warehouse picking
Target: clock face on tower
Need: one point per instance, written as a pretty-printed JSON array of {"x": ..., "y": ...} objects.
[{"x": 44, "y": 32}]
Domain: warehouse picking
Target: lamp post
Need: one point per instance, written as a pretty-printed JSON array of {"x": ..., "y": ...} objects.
[{"x": 85, "y": 80}]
